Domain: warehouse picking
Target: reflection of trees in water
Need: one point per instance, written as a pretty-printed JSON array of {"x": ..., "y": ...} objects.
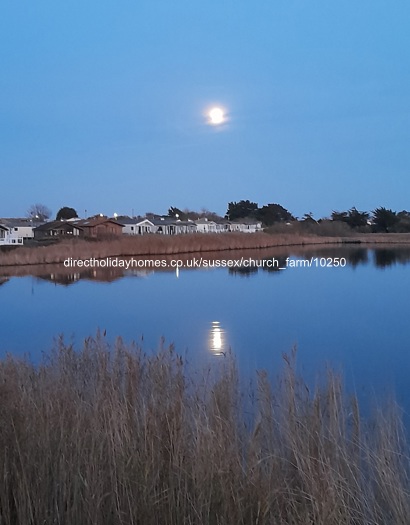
[
  {"x": 261, "y": 264},
  {"x": 243, "y": 271},
  {"x": 381, "y": 257},
  {"x": 281, "y": 263},
  {"x": 357, "y": 256},
  {"x": 384, "y": 257}
]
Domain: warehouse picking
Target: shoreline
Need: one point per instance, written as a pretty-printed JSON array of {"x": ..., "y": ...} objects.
[{"x": 152, "y": 246}]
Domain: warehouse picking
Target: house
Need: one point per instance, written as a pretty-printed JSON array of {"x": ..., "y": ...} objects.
[
  {"x": 170, "y": 226},
  {"x": 100, "y": 227},
  {"x": 235, "y": 226},
  {"x": 222, "y": 227},
  {"x": 57, "y": 229},
  {"x": 8, "y": 237},
  {"x": 250, "y": 226},
  {"x": 185, "y": 226},
  {"x": 136, "y": 226},
  {"x": 21, "y": 228},
  {"x": 246, "y": 226},
  {"x": 205, "y": 226},
  {"x": 163, "y": 225}
]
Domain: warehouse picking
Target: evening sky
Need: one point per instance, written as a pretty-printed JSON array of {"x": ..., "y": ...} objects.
[{"x": 102, "y": 105}]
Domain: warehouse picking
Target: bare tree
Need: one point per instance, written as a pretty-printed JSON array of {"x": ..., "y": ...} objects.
[{"x": 39, "y": 212}]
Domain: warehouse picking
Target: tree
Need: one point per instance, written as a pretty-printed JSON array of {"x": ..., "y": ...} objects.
[
  {"x": 308, "y": 218},
  {"x": 271, "y": 213},
  {"x": 204, "y": 213},
  {"x": 177, "y": 213},
  {"x": 241, "y": 210},
  {"x": 339, "y": 216},
  {"x": 66, "y": 213},
  {"x": 357, "y": 219},
  {"x": 39, "y": 212},
  {"x": 210, "y": 215},
  {"x": 354, "y": 218},
  {"x": 403, "y": 225},
  {"x": 384, "y": 220}
]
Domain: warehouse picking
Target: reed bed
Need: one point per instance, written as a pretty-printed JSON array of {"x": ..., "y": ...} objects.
[
  {"x": 150, "y": 245},
  {"x": 153, "y": 245},
  {"x": 113, "y": 436}
]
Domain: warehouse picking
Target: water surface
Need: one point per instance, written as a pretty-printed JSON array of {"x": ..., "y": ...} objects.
[{"x": 355, "y": 318}]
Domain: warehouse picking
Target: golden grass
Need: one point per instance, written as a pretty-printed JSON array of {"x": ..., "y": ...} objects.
[{"x": 113, "y": 436}]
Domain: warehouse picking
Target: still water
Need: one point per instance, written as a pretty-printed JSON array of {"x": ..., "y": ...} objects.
[{"x": 353, "y": 317}]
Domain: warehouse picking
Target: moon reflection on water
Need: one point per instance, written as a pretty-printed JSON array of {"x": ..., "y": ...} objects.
[{"x": 217, "y": 339}]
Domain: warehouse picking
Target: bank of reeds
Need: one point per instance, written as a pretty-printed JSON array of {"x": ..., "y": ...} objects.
[
  {"x": 150, "y": 245},
  {"x": 113, "y": 436},
  {"x": 156, "y": 245}
]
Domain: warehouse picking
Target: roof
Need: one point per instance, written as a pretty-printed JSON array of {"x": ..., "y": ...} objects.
[
  {"x": 163, "y": 221},
  {"x": 186, "y": 223},
  {"x": 135, "y": 220},
  {"x": 90, "y": 223},
  {"x": 204, "y": 221},
  {"x": 55, "y": 225},
  {"x": 20, "y": 222},
  {"x": 169, "y": 221}
]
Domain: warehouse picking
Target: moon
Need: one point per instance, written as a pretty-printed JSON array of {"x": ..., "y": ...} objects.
[{"x": 216, "y": 116}]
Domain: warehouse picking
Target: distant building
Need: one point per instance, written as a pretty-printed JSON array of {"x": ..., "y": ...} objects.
[
  {"x": 100, "y": 227},
  {"x": 136, "y": 225},
  {"x": 57, "y": 229},
  {"x": 246, "y": 226},
  {"x": 205, "y": 226},
  {"x": 8, "y": 237},
  {"x": 170, "y": 226},
  {"x": 21, "y": 228}
]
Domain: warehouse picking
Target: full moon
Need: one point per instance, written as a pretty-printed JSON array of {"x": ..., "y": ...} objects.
[{"x": 216, "y": 116}]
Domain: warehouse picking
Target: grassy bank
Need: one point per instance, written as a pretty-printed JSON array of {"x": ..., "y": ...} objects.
[
  {"x": 152, "y": 245},
  {"x": 117, "y": 437}
]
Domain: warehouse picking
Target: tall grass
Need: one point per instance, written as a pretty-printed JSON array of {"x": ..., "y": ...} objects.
[
  {"x": 113, "y": 436},
  {"x": 149, "y": 245},
  {"x": 154, "y": 245}
]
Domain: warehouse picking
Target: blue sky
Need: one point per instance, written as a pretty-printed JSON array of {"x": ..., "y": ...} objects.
[{"x": 102, "y": 105}]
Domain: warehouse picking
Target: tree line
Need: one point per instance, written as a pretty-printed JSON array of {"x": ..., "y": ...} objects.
[
  {"x": 379, "y": 220},
  {"x": 268, "y": 215}
]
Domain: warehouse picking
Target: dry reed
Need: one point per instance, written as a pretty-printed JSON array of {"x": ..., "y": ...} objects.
[
  {"x": 150, "y": 245},
  {"x": 113, "y": 436},
  {"x": 154, "y": 245}
]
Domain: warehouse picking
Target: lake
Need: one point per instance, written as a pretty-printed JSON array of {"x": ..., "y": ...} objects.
[{"x": 353, "y": 315}]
